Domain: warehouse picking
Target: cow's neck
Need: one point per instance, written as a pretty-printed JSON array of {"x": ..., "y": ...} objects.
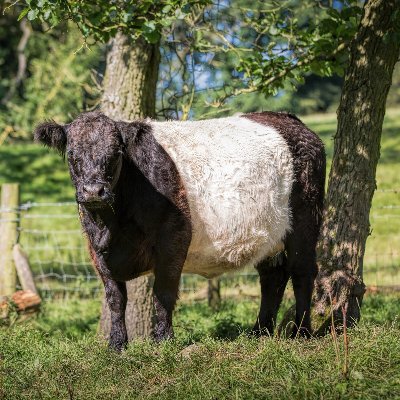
[{"x": 99, "y": 225}]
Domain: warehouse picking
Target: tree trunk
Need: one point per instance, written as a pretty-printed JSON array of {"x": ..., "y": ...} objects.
[
  {"x": 129, "y": 93},
  {"x": 131, "y": 78},
  {"x": 374, "y": 52}
]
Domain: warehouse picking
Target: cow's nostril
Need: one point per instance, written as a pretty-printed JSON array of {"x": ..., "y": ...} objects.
[{"x": 93, "y": 191}]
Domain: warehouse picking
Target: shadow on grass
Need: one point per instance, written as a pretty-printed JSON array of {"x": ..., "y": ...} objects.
[
  {"x": 197, "y": 320},
  {"x": 227, "y": 327}
]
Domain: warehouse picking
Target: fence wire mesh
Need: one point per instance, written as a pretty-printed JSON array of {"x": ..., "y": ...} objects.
[{"x": 51, "y": 235}]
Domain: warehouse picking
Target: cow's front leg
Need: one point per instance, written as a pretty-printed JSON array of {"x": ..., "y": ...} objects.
[
  {"x": 170, "y": 255},
  {"x": 116, "y": 298}
]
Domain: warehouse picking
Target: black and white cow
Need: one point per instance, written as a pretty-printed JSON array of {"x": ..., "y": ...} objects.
[{"x": 203, "y": 197}]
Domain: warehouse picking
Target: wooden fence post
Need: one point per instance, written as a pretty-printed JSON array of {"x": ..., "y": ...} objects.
[
  {"x": 214, "y": 293},
  {"x": 8, "y": 237},
  {"x": 23, "y": 268}
]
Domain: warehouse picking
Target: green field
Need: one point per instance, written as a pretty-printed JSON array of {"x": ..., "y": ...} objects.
[{"x": 59, "y": 356}]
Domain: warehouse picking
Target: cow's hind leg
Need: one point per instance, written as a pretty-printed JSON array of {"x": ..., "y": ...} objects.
[
  {"x": 273, "y": 279},
  {"x": 302, "y": 266}
]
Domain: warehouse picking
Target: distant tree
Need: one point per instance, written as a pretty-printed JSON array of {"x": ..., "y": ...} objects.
[
  {"x": 394, "y": 92},
  {"x": 317, "y": 94},
  {"x": 43, "y": 75}
]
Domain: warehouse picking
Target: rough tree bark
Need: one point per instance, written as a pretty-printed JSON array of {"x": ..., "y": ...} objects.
[
  {"x": 129, "y": 93},
  {"x": 373, "y": 55}
]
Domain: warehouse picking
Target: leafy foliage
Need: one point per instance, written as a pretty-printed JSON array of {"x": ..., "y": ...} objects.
[
  {"x": 217, "y": 58},
  {"x": 102, "y": 19},
  {"x": 8, "y": 57},
  {"x": 234, "y": 48},
  {"x": 59, "y": 81},
  {"x": 292, "y": 43},
  {"x": 269, "y": 43}
]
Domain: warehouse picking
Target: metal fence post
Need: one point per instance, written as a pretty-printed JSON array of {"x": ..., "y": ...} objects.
[{"x": 8, "y": 237}]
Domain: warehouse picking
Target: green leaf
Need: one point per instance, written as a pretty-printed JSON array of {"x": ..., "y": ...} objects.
[
  {"x": 32, "y": 14},
  {"x": 23, "y": 13},
  {"x": 179, "y": 14},
  {"x": 328, "y": 26},
  {"x": 273, "y": 30},
  {"x": 149, "y": 26},
  {"x": 166, "y": 9},
  {"x": 46, "y": 15},
  {"x": 334, "y": 14},
  {"x": 166, "y": 21},
  {"x": 349, "y": 12},
  {"x": 186, "y": 8},
  {"x": 126, "y": 17},
  {"x": 152, "y": 37},
  {"x": 54, "y": 19}
]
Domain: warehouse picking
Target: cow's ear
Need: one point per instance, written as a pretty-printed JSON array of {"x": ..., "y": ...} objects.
[
  {"x": 131, "y": 134},
  {"x": 52, "y": 135}
]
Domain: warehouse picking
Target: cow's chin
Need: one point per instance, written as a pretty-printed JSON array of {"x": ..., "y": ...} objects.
[{"x": 95, "y": 205}]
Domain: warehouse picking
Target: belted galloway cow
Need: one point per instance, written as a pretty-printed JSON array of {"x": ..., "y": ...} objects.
[{"x": 203, "y": 197}]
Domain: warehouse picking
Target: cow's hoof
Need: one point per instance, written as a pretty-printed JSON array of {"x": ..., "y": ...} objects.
[
  {"x": 258, "y": 331},
  {"x": 160, "y": 334},
  {"x": 301, "y": 333}
]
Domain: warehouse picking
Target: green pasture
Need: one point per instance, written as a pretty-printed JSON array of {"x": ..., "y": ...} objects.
[{"x": 59, "y": 356}]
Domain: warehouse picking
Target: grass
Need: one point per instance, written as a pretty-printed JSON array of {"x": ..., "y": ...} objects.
[{"x": 59, "y": 356}]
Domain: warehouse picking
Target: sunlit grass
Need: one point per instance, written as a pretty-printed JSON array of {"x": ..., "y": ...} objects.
[{"x": 59, "y": 356}]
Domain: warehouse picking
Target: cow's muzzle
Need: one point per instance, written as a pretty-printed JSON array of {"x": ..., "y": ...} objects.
[{"x": 95, "y": 195}]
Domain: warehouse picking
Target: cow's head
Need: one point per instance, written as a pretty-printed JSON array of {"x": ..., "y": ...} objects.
[{"x": 94, "y": 145}]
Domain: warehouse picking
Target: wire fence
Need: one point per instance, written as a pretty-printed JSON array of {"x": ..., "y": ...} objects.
[{"x": 51, "y": 235}]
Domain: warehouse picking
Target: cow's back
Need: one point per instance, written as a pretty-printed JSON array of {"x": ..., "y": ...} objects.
[{"x": 238, "y": 176}]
